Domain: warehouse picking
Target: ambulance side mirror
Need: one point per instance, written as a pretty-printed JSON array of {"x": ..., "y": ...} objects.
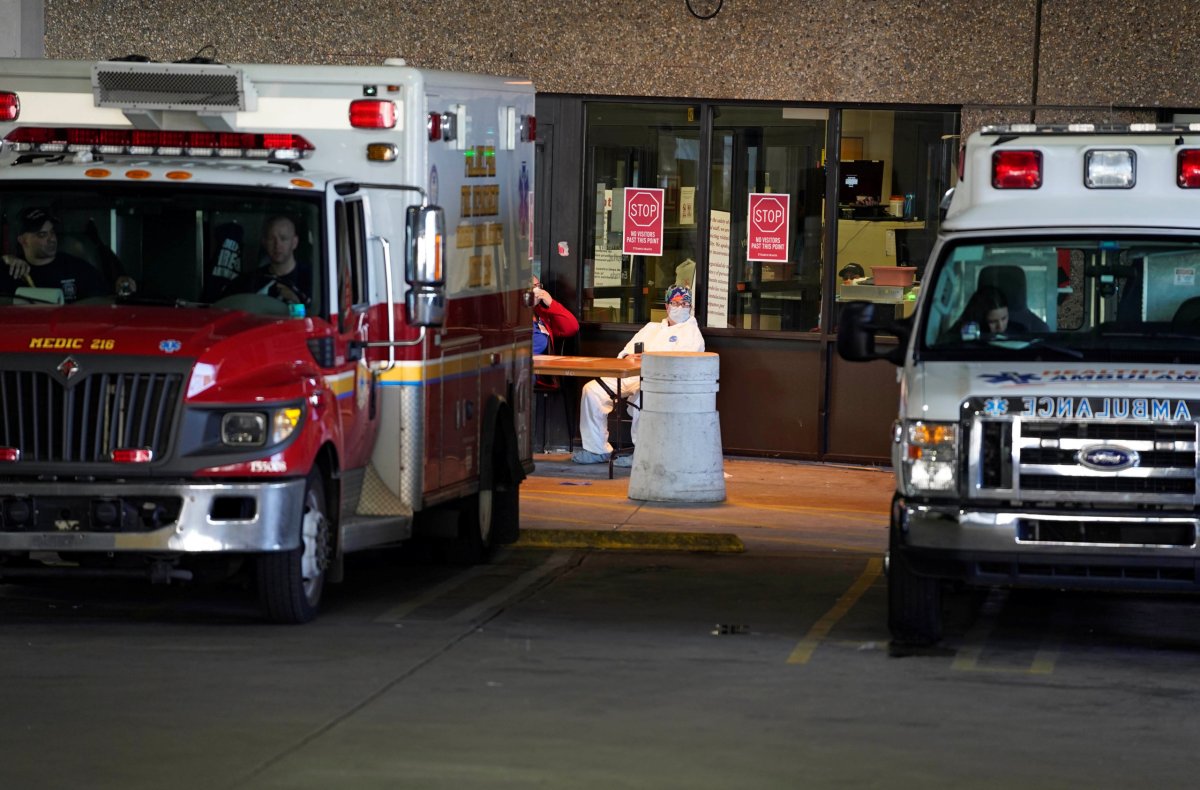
[
  {"x": 858, "y": 326},
  {"x": 426, "y": 246},
  {"x": 425, "y": 302}
]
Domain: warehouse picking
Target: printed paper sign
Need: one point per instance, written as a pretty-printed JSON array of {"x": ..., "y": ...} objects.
[
  {"x": 769, "y": 218},
  {"x": 687, "y": 205},
  {"x": 643, "y": 226},
  {"x": 718, "y": 269},
  {"x": 1185, "y": 276}
]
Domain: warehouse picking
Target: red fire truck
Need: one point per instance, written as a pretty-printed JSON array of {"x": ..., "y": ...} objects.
[{"x": 312, "y": 335}]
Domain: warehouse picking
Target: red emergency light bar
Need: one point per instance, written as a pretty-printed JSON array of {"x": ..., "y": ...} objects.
[
  {"x": 1187, "y": 168},
  {"x": 10, "y": 106},
  {"x": 1017, "y": 169},
  {"x": 139, "y": 142}
]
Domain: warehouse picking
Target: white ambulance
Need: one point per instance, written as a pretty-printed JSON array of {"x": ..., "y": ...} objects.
[
  {"x": 311, "y": 334},
  {"x": 1050, "y": 376}
]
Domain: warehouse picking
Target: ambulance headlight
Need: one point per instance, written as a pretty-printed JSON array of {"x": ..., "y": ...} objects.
[
  {"x": 244, "y": 429},
  {"x": 929, "y": 457},
  {"x": 250, "y": 428},
  {"x": 1110, "y": 169},
  {"x": 285, "y": 423}
]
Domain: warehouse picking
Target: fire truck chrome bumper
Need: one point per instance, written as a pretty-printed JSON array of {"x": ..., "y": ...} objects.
[{"x": 267, "y": 517}]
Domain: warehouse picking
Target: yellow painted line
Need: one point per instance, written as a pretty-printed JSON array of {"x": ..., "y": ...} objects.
[
  {"x": 1046, "y": 657},
  {"x": 967, "y": 658},
  {"x": 629, "y": 541},
  {"x": 822, "y": 627},
  {"x": 557, "y": 490},
  {"x": 724, "y": 518}
]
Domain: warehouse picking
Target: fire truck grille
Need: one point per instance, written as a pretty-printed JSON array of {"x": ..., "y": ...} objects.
[
  {"x": 50, "y": 422},
  {"x": 151, "y": 86},
  {"x": 1023, "y": 460}
]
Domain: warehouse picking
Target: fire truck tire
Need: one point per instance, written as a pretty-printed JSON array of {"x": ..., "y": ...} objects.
[
  {"x": 506, "y": 512},
  {"x": 290, "y": 583},
  {"x": 914, "y": 603},
  {"x": 472, "y": 543}
]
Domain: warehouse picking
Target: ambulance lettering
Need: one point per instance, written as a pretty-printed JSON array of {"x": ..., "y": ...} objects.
[
  {"x": 56, "y": 343},
  {"x": 1071, "y": 408}
]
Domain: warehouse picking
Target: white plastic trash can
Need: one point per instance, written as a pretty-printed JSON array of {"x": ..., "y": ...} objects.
[{"x": 678, "y": 453}]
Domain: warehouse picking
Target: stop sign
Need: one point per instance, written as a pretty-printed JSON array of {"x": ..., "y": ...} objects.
[
  {"x": 642, "y": 209},
  {"x": 767, "y": 225},
  {"x": 768, "y": 214},
  {"x": 642, "y": 233}
]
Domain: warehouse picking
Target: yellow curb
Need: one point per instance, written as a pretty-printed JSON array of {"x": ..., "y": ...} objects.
[{"x": 636, "y": 541}]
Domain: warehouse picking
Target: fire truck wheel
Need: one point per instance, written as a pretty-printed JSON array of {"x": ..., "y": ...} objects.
[
  {"x": 290, "y": 582},
  {"x": 914, "y": 603},
  {"x": 506, "y": 513},
  {"x": 473, "y": 542}
]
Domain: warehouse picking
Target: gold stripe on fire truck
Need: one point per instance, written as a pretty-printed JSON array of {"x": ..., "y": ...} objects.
[{"x": 412, "y": 372}]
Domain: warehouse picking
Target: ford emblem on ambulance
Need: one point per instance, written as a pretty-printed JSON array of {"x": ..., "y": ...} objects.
[{"x": 1107, "y": 458}]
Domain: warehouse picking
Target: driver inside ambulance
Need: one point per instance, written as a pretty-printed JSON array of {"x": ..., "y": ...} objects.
[{"x": 43, "y": 265}]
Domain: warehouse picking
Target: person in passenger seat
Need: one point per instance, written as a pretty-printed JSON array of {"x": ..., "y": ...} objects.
[{"x": 43, "y": 265}]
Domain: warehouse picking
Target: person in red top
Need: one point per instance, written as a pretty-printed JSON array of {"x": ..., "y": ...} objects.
[{"x": 551, "y": 321}]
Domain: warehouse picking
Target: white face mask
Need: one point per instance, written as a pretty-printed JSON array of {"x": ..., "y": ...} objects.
[{"x": 679, "y": 314}]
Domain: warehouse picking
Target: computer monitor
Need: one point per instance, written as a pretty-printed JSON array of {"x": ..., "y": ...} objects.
[{"x": 860, "y": 178}]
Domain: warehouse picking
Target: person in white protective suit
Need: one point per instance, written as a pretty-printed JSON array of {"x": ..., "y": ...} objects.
[{"x": 677, "y": 332}]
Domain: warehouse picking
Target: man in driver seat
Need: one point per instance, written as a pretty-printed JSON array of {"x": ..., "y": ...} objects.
[
  {"x": 42, "y": 265},
  {"x": 280, "y": 275}
]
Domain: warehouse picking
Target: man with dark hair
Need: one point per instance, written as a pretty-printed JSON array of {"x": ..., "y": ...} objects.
[{"x": 42, "y": 265}]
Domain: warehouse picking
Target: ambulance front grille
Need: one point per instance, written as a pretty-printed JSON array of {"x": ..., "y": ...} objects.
[
  {"x": 1025, "y": 460},
  {"x": 156, "y": 86},
  {"x": 49, "y": 422}
]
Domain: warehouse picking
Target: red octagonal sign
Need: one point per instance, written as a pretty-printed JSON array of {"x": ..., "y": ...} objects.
[
  {"x": 643, "y": 222},
  {"x": 768, "y": 227}
]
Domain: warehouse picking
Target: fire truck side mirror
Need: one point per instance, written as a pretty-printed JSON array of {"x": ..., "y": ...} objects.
[
  {"x": 425, "y": 303},
  {"x": 426, "y": 246}
]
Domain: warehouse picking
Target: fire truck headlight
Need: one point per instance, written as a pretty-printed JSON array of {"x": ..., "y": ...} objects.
[
  {"x": 244, "y": 429},
  {"x": 930, "y": 457},
  {"x": 286, "y": 421}
]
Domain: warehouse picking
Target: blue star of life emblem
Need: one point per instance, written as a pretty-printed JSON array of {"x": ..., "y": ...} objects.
[
  {"x": 169, "y": 346},
  {"x": 995, "y": 407},
  {"x": 1010, "y": 377}
]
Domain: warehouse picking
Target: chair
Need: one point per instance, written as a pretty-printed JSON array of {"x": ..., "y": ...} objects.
[
  {"x": 1187, "y": 316},
  {"x": 1011, "y": 281},
  {"x": 544, "y": 387}
]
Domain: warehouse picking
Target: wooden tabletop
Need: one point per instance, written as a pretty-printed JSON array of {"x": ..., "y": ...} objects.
[{"x": 585, "y": 367}]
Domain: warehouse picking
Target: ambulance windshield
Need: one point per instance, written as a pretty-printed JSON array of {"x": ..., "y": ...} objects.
[
  {"x": 184, "y": 246},
  {"x": 1086, "y": 298}
]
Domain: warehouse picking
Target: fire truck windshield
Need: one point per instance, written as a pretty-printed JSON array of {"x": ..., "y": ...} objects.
[
  {"x": 1096, "y": 298},
  {"x": 251, "y": 250}
]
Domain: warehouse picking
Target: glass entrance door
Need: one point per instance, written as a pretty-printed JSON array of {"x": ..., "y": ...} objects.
[{"x": 775, "y": 151}]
